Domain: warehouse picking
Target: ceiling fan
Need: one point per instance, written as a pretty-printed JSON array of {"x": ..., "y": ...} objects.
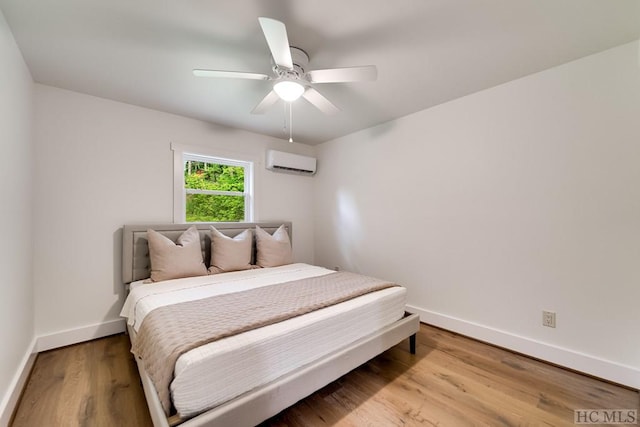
[{"x": 291, "y": 79}]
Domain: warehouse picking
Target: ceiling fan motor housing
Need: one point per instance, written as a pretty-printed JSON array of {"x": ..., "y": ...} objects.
[{"x": 300, "y": 61}]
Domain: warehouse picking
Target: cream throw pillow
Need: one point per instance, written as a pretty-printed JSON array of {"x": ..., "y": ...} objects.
[
  {"x": 175, "y": 260},
  {"x": 230, "y": 254},
  {"x": 275, "y": 250}
]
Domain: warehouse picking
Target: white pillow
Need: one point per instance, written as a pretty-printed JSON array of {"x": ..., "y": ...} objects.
[
  {"x": 171, "y": 260},
  {"x": 275, "y": 250},
  {"x": 230, "y": 254}
]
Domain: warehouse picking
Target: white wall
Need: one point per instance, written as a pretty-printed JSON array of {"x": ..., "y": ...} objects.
[
  {"x": 100, "y": 164},
  {"x": 16, "y": 172},
  {"x": 493, "y": 207}
]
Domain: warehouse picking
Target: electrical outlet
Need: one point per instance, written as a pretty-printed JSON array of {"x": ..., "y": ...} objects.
[{"x": 549, "y": 319}]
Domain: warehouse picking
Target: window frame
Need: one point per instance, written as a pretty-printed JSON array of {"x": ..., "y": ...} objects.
[{"x": 182, "y": 154}]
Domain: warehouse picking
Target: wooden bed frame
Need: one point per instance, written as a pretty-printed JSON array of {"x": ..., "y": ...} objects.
[{"x": 261, "y": 403}]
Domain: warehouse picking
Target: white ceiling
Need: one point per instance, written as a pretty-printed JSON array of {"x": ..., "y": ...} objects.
[{"x": 427, "y": 51}]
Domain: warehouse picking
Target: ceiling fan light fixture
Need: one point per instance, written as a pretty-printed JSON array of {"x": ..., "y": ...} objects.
[{"x": 288, "y": 90}]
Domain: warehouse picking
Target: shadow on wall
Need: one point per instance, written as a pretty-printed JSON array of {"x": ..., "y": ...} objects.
[
  {"x": 118, "y": 285},
  {"x": 384, "y": 128},
  {"x": 348, "y": 221}
]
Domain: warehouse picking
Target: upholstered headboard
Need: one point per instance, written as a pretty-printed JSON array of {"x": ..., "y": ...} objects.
[{"x": 136, "y": 263}]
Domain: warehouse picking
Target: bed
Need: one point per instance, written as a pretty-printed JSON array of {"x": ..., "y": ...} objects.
[{"x": 246, "y": 378}]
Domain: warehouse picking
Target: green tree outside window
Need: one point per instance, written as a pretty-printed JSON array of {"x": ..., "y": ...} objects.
[{"x": 214, "y": 192}]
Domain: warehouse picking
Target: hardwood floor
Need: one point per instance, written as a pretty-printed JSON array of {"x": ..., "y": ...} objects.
[
  {"x": 95, "y": 383},
  {"x": 451, "y": 381}
]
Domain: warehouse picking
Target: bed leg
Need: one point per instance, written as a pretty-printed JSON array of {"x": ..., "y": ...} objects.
[{"x": 412, "y": 344}]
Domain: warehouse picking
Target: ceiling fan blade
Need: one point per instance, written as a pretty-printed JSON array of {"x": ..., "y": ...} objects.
[
  {"x": 230, "y": 74},
  {"x": 320, "y": 102},
  {"x": 266, "y": 102},
  {"x": 276, "y": 34},
  {"x": 341, "y": 75}
]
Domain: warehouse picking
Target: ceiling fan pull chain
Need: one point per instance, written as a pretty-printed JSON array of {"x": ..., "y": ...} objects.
[
  {"x": 284, "y": 118},
  {"x": 290, "y": 121}
]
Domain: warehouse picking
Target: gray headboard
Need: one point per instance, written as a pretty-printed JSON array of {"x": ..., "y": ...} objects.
[{"x": 136, "y": 264}]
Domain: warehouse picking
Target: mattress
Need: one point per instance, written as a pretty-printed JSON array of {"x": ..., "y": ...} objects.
[{"x": 222, "y": 370}]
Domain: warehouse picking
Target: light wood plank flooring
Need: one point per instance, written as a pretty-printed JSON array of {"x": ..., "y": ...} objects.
[
  {"x": 451, "y": 381},
  {"x": 95, "y": 383}
]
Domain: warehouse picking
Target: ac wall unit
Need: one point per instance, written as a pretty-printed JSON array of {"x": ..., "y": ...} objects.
[{"x": 279, "y": 161}]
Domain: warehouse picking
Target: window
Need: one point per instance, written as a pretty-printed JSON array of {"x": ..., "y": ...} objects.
[{"x": 214, "y": 189}]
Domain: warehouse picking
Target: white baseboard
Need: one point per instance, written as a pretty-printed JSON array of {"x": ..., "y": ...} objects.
[
  {"x": 10, "y": 399},
  {"x": 601, "y": 368},
  {"x": 77, "y": 335}
]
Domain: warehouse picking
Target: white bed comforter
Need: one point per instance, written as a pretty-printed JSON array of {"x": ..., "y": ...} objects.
[{"x": 217, "y": 372}]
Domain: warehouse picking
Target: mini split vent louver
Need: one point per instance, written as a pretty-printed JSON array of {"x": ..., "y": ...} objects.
[{"x": 279, "y": 161}]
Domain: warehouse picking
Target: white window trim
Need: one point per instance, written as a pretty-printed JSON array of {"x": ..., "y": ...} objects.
[{"x": 194, "y": 152}]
